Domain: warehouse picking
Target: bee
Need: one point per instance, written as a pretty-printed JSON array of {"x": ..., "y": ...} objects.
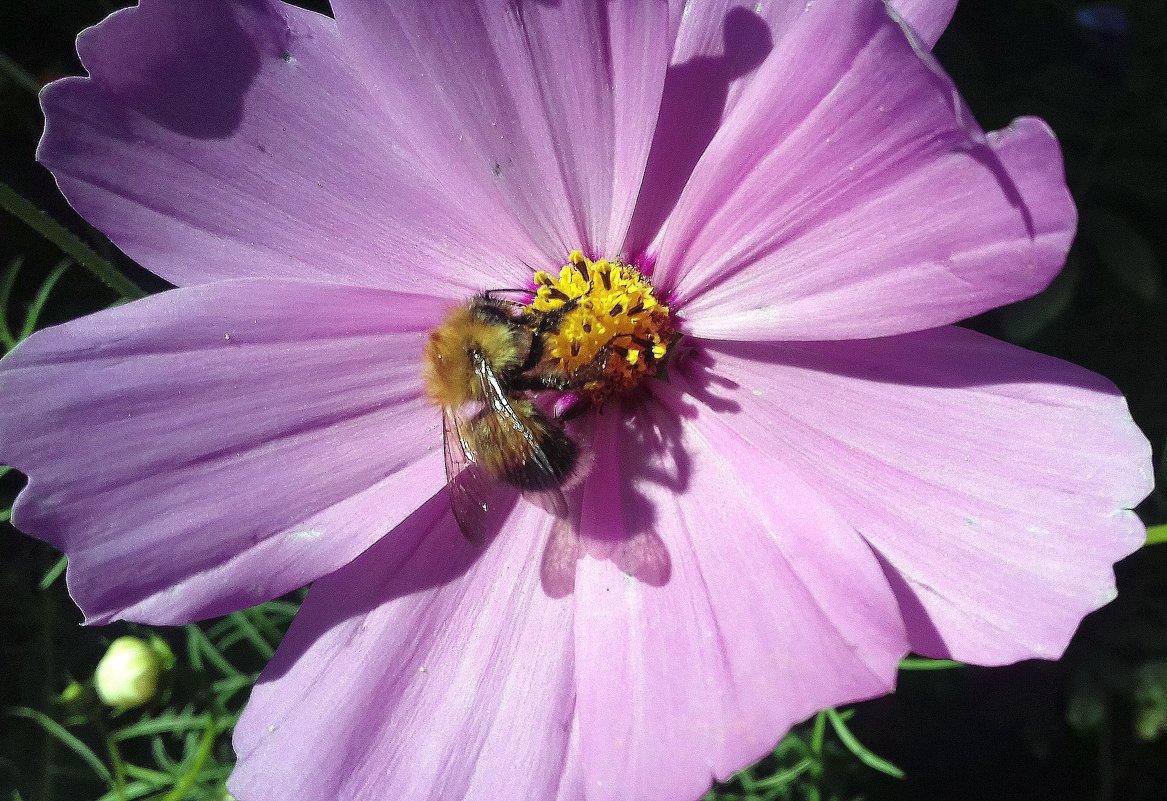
[{"x": 481, "y": 367}]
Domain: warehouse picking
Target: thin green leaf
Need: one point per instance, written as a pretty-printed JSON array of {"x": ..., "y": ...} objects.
[
  {"x": 191, "y": 774},
  {"x": 68, "y": 242},
  {"x": 194, "y": 653},
  {"x": 216, "y": 630},
  {"x": 42, "y": 296},
  {"x": 19, "y": 75},
  {"x": 252, "y": 635},
  {"x": 5, "y": 515},
  {"x": 283, "y": 611},
  {"x": 173, "y": 724},
  {"x": 164, "y": 724},
  {"x": 200, "y": 644},
  {"x": 270, "y": 631},
  {"x": 786, "y": 777},
  {"x": 861, "y": 752},
  {"x": 53, "y": 573},
  {"x": 156, "y": 777},
  {"x": 6, "y": 284},
  {"x": 225, "y": 688},
  {"x": 1156, "y": 535},
  {"x": 920, "y": 663},
  {"x": 119, "y": 766},
  {"x": 161, "y": 756},
  {"x": 65, "y": 737},
  {"x": 819, "y": 733},
  {"x": 131, "y": 791}
]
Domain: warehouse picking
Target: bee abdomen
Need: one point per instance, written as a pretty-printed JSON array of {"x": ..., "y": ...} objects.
[
  {"x": 549, "y": 468},
  {"x": 524, "y": 448}
]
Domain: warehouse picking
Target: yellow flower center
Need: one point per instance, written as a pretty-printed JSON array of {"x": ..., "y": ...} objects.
[{"x": 613, "y": 332}]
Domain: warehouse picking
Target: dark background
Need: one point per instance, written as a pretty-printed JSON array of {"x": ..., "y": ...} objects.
[{"x": 1066, "y": 730}]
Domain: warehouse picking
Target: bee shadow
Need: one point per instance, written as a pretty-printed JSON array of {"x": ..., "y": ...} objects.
[{"x": 641, "y": 460}]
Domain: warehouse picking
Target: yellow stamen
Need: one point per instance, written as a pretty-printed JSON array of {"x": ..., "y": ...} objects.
[{"x": 613, "y": 327}]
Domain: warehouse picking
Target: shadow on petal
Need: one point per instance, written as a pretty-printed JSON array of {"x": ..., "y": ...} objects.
[
  {"x": 637, "y": 443},
  {"x": 194, "y": 84},
  {"x": 691, "y": 109},
  {"x": 924, "y": 636}
]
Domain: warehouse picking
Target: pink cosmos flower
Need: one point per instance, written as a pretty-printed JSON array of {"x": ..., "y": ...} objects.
[{"x": 836, "y": 475}]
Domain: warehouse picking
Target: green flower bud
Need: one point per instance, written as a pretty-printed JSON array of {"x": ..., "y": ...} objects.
[
  {"x": 71, "y": 693},
  {"x": 127, "y": 676}
]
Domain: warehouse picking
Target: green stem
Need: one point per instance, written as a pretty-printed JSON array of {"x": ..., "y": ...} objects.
[
  {"x": 69, "y": 244},
  {"x": 784, "y": 778},
  {"x": 118, "y": 781},
  {"x": 922, "y": 663},
  {"x": 191, "y": 774},
  {"x": 1156, "y": 534},
  {"x": 119, "y": 767},
  {"x": 818, "y": 738},
  {"x": 861, "y": 752}
]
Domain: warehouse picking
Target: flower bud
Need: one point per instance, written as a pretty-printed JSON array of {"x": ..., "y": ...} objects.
[{"x": 127, "y": 676}]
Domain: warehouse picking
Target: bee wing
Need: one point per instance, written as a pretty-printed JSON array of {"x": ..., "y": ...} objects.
[
  {"x": 471, "y": 488},
  {"x": 500, "y": 404},
  {"x": 562, "y": 551}
]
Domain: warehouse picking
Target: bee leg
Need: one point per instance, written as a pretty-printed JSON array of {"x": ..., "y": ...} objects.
[
  {"x": 561, "y": 382},
  {"x": 551, "y": 320},
  {"x": 539, "y": 327},
  {"x": 575, "y": 410}
]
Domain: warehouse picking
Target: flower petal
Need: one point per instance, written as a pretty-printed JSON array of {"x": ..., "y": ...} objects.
[
  {"x": 851, "y": 195},
  {"x": 992, "y": 481},
  {"x": 212, "y": 447},
  {"x": 546, "y": 108},
  {"x": 773, "y": 608},
  {"x": 228, "y": 139},
  {"x": 698, "y": 24},
  {"x": 928, "y": 18},
  {"x": 426, "y": 669},
  {"x": 718, "y": 47}
]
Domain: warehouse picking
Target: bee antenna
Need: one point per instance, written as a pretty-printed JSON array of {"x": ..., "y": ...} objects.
[{"x": 491, "y": 293}]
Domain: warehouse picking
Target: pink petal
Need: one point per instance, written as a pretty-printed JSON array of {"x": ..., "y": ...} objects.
[
  {"x": 426, "y": 669},
  {"x": 993, "y": 482},
  {"x": 718, "y": 47},
  {"x": 774, "y": 608},
  {"x": 928, "y": 18},
  {"x": 544, "y": 108},
  {"x": 228, "y": 139},
  {"x": 851, "y": 195},
  {"x": 209, "y": 448},
  {"x": 641, "y": 552},
  {"x": 699, "y": 23}
]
